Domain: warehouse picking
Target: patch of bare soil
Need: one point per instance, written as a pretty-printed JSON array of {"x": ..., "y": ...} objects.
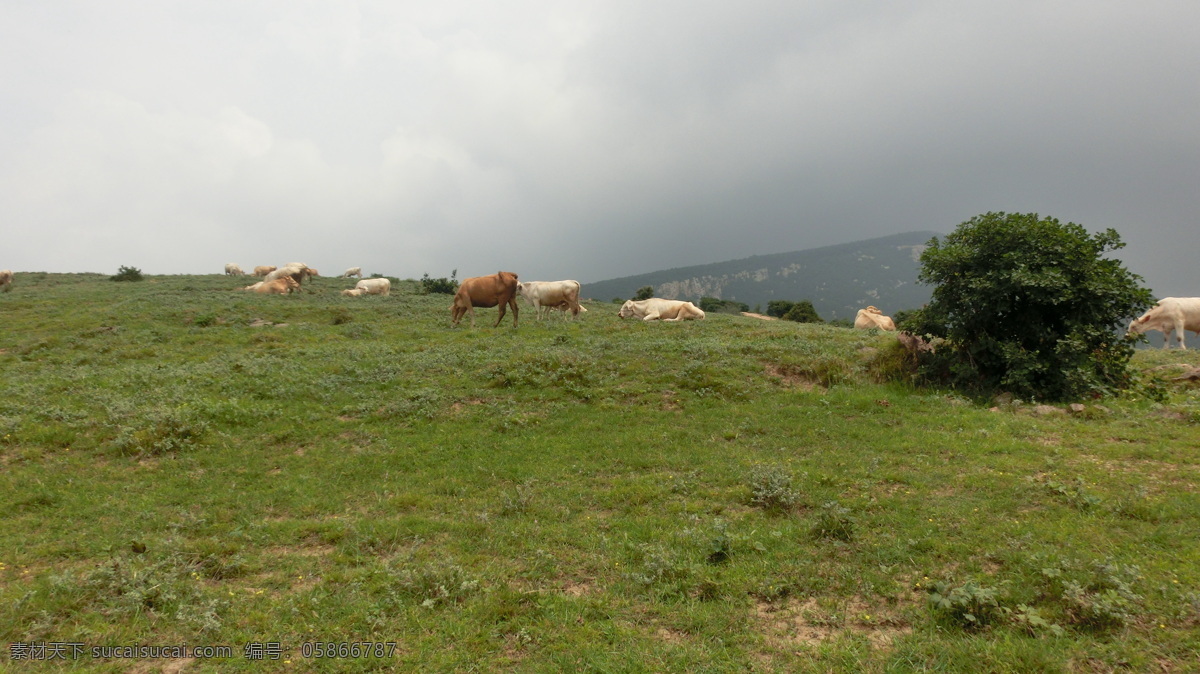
[
  {"x": 759, "y": 316},
  {"x": 791, "y": 377},
  {"x": 791, "y": 625}
]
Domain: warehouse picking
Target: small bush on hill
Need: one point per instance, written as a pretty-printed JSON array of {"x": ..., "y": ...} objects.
[
  {"x": 446, "y": 286},
  {"x": 127, "y": 274},
  {"x": 714, "y": 305},
  {"x": 644, "y": 293},
  {"x": 800, "y": 312}
]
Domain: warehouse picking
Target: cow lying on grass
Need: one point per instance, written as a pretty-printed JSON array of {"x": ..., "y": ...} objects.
[
  {"x": 657, "y": 308},
  {"x": 370, "y": 286},
  {"x": 279, "y": 286}
]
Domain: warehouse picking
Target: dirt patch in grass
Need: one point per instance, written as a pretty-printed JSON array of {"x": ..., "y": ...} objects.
[
  {"x": 320, "y": 550},
  {"x": 790, "y": 377},
  {"x": 809, "y": 623},
  {"x": 670, "y": 402},
  {"x": 670, "y": 636},
  {"x": 579, "y": 587},
  {"x": 1159, "y": 472}
]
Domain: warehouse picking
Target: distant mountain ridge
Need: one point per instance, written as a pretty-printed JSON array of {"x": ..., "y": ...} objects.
[{"x": 839, "y": 280}]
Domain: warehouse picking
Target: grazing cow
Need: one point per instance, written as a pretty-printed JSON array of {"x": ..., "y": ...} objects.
[
  {"x": 871, "y": 317},
  {"x": 353, "y": 271},
  {"x": 1171, "y": 313},
  {"x": 356, "y": 292},
  {"x": 232, "y": 269},
  {"x": 6, "y": 277},
  {"x": 657, "y": 308},
  {"x": 374, "y": 286},
  {"x": 313, "y": 272},
  {"x": 263, "y": 270},
  {"x": 279, "y": 286},
  {"x": 485, "y": 291},
  {"x": 549, "y": 295}
]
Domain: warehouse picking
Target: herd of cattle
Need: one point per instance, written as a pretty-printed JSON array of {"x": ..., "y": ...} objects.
[{"x": 1171, "y": 314}]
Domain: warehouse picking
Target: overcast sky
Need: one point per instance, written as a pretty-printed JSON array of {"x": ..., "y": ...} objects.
[{"x": 584, "y": 139}]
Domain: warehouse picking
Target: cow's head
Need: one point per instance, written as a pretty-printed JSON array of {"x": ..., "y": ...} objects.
[
  {"x": 626, "y": 309},
  {"x": 521, "y": 289}
]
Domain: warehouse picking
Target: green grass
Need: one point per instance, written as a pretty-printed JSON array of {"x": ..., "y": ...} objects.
[{"x": 597, "y": 495}]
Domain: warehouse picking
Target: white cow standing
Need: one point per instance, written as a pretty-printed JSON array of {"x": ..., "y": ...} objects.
[
  {"x": 353, "y": 271},
  {"x": 657, "y": 308},
  {"x": 232, "y": 269},
  {"x": 1171, "y": 313},
  {"x": 545, "y": 296}
]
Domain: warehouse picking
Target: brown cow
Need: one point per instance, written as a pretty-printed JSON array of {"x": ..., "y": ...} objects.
[
  {"x": 485, "y": 291},
  {"x": 264, "y": 269},
  {"x": 279, "y": 286}
]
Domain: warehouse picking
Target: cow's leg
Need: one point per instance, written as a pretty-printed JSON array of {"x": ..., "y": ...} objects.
[{"x": 652, "y": 316}]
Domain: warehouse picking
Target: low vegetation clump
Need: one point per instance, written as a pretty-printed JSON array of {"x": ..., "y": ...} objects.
[
  {"x": 443, "y": 286},
  {"x": 771, "y": 489},
  {"x": 181, "y": 462},
  {"x": 127, "y": 274},
  {"x": 719, "y": 306}
]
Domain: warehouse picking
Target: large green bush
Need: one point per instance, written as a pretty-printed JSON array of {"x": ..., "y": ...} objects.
[
  {"x": 713, "y": 305},
  {"x": 800, "y": 312},
  {"x": 1030, "y": 306}
]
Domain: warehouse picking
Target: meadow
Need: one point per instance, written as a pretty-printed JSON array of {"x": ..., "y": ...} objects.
[{"x": 182, "y": 463}]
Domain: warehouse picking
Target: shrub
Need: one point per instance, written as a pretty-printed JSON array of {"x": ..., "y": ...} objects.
[
  {"x": 127, "y": 274},
  {"x": 1030, "y": 306},
  {"x": 968, "y": 606},
  {"x": 802, "y": 312},
  {"x": 771, "y": 489},
  {"x": 445, "y": 286},
  {"x": 434, "y": 583},
  {"x": 834, "y": 522},
  {"x": 719, "y": 306},
  {"x": 644, "y": 293}
]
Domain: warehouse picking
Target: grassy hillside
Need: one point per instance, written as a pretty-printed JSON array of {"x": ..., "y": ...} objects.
[
  {"x": 839, "y": 280},
  {"x": 184, "y": 463}
]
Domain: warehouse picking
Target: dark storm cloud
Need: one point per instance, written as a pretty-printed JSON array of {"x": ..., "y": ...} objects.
[{"x": 584, "y": 140}]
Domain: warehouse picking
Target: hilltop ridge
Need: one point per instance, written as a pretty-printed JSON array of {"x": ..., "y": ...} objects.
[{"x": 838, "y": 279}]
